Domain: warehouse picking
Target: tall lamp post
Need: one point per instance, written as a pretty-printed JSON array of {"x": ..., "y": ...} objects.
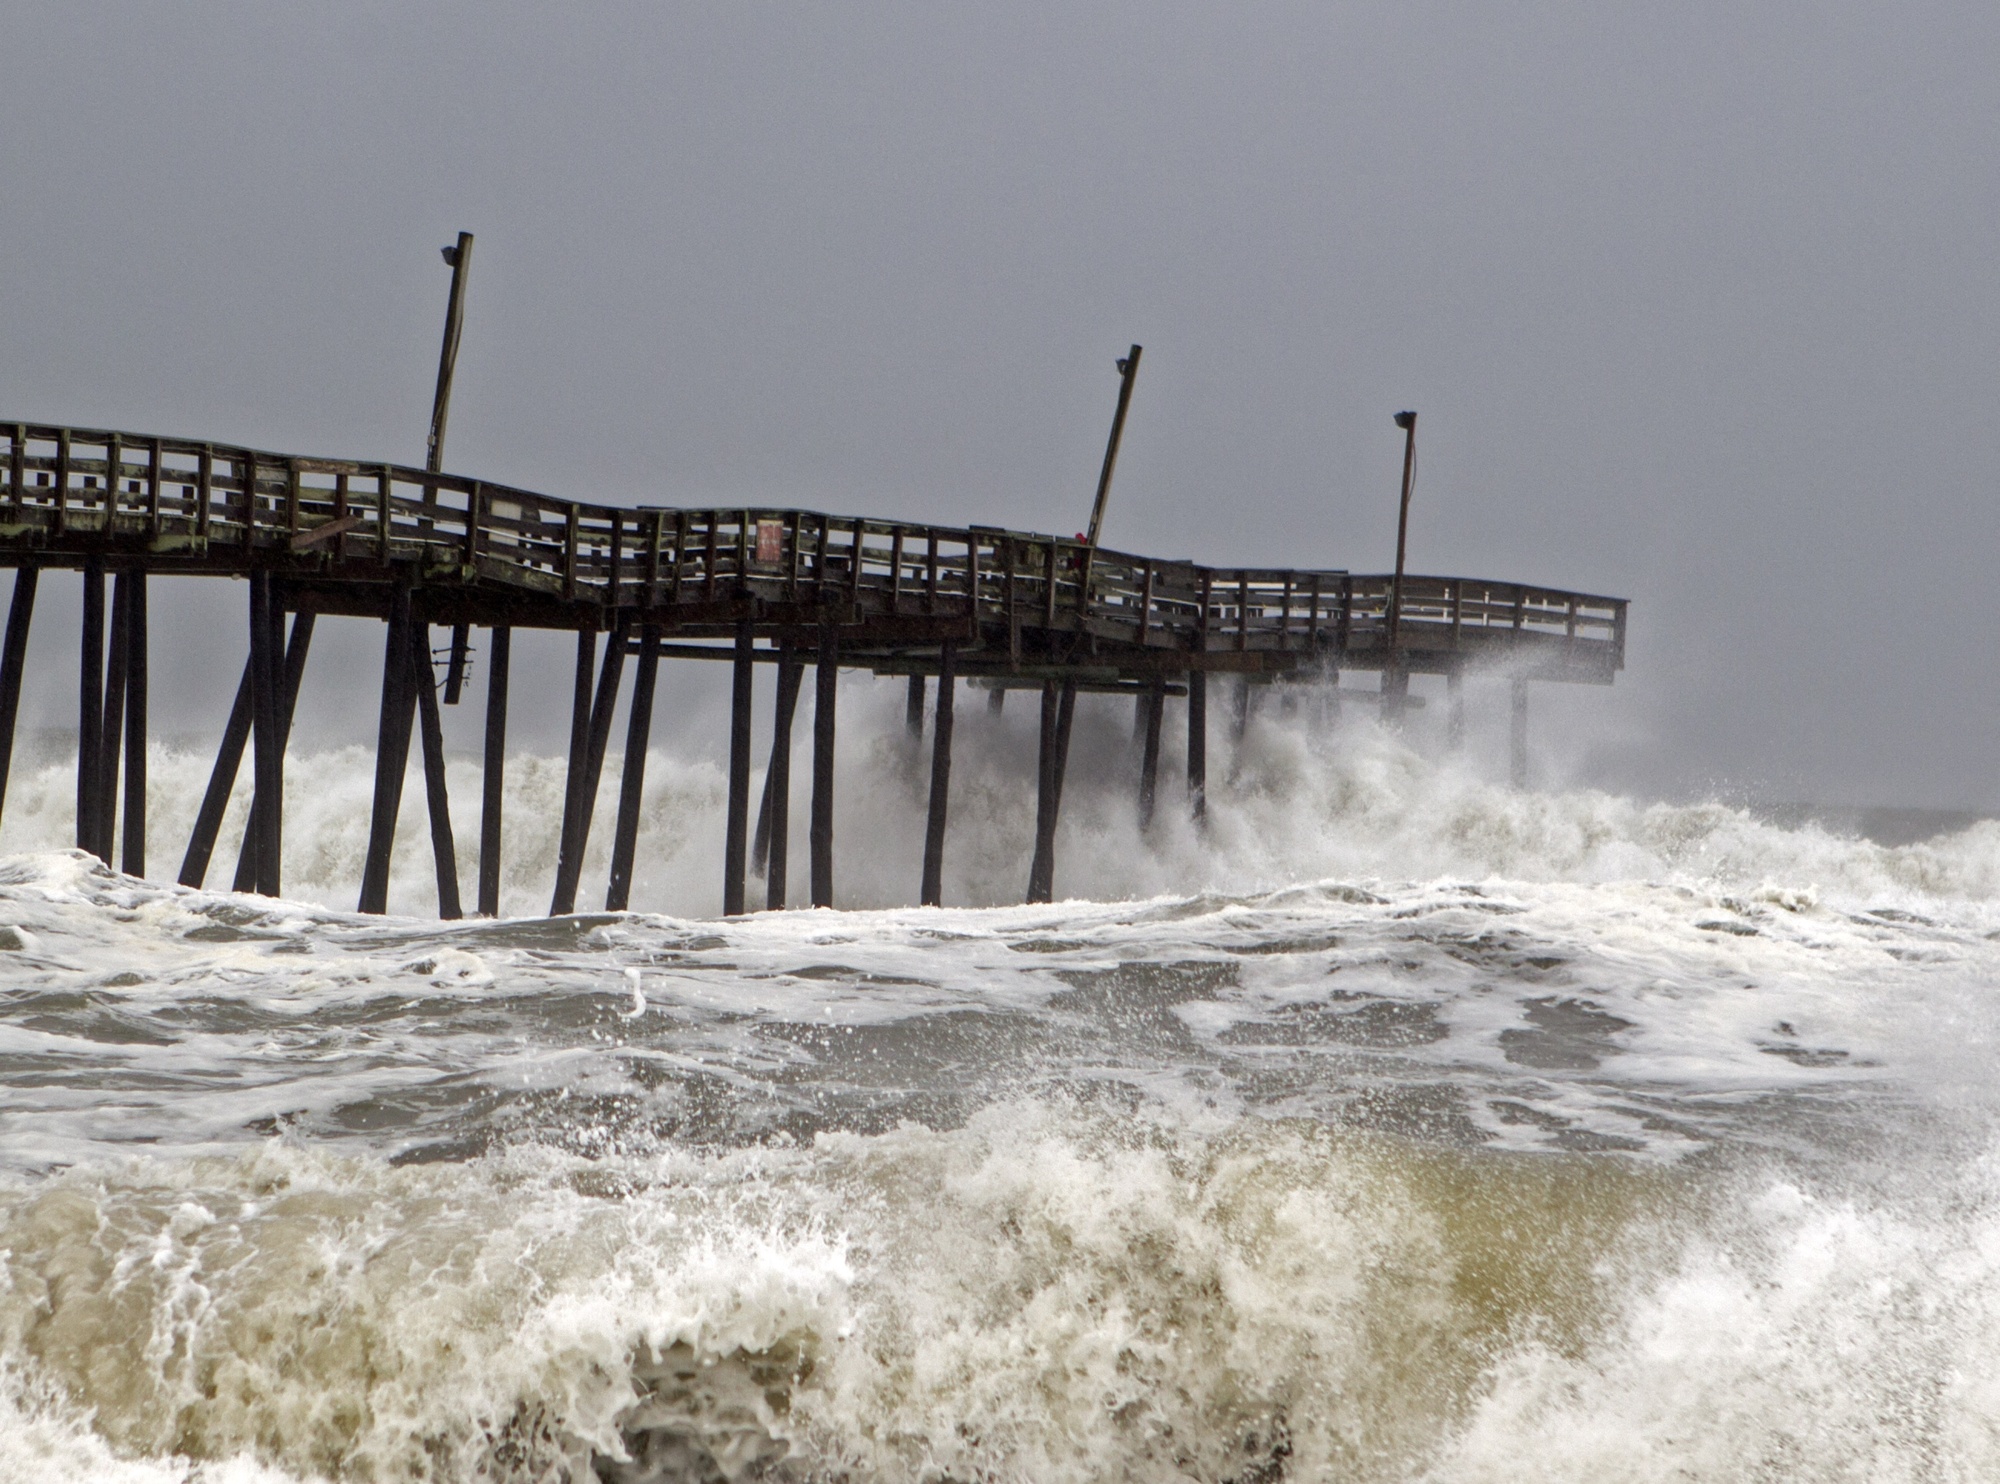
[
  {"x": 458, "y": 258},
  {"x": 1395, "y": 681}
]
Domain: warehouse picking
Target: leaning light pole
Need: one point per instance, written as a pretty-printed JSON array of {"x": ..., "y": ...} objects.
[{"x": 1395, "y": 682}]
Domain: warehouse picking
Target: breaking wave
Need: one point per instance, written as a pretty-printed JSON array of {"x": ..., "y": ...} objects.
[{"x": 1401, "y": 1126}]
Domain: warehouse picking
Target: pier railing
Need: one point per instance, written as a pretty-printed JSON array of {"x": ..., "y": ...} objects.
[{"x": 215, "y": 504}]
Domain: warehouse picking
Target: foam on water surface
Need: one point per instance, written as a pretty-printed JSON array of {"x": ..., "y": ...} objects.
[{"x": 1403, "y": 1127}]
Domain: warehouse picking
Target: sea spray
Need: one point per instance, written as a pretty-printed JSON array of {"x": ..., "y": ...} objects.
[{"x": 1303, "y": 801}]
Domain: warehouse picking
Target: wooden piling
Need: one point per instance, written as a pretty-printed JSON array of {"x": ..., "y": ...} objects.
[
  {"x": 579, "y": 757},
  {"x": 444, "y": 850},
  {"x": 1065, "y": 715},
  {"x": 1395, "y": 694},
  {"x": 569, "y": 869},
  {"x": 266, "y": 752},
  {"x": 736, "y": 840},
  {"x": 1518, "y": 735},
  {"x": 90, "y": 706},
  {"x": 770, "y": 848},
  {"x": 1454, "y": 725},
  {"x": 913, "y": 708},
  {"x": 110, "y": 746},
  {"x": 295, "y": 663},
  {"x": 632, "y": 786},
  {"x": 454, "y": 673},
  {"x": 221, "y": 781},
  {"x": 1152, "y": 712},
  {"x": 1241, "y": 700},
  {"x": 932, "y": 893},
  {"x": 826, "y": 687},
  {"x": 996, "y": 700},
  {"x": 492, "y": 782},
  {"x": 14, "y": 661},
  {"x": 1041, "y": 869},
  {"x": 132, "y": 859},
  {"x": 1197, "y": 744},
  {"x": 392, "y": 753}
]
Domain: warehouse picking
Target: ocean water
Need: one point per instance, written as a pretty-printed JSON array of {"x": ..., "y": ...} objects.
[{"x": 1399, "y": 1126}]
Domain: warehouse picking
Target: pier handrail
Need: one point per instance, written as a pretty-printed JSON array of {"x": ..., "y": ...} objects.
[{"x": 105, "y": 488}]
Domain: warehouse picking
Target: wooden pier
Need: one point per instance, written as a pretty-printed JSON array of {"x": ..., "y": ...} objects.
[{"x": 425, "y": 550}]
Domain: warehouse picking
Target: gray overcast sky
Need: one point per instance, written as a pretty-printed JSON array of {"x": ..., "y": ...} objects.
[{"x": 1698, "y": 302}]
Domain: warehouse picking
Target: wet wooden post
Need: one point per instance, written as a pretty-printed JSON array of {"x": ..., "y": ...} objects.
[
  {"x": 111, "y": 744},
  {"x": 266, "y": 753},
  {"x": 770, "y": 849},
  {"x": 736, "y": 840},
  {"x": 579, "y": 751},
  {"x": 932, "y": 894},
  {"x": 295, "y": 664},
  {"x": 132, "y": 859},
  {"x": 1241, "y": 700},
  {"x": 1152, "y": 712},
  {"x": 1454, "y": 692},
  {"x": 13, "y": 662},
  {"x": 826, "y": 687},
  {"x": 1395, "y": 692},
  {"x": 632, "y": 785},
  {"x": 90, "y": 705},
  {"x": 1518, "y": 735},
  {"x": 249, "y": 852},
  {"x": 492, "y": 781},
  {"x": 1058, "y": 711},
  {"x": 1197, "y": 744},
  {"x": 1065, "y": 715},
  {"x": 392, "y": 752},
  {"x": 229, "y": 759},
  {"x": 569, "y": 869},
  {"x": 444, "y": 850},
  {"x": 913, "y": 708},
  {"x": 996, "y": 700}
]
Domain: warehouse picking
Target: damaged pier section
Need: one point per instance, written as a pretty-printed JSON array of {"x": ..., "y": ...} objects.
[{"x": 424, "y": 550}]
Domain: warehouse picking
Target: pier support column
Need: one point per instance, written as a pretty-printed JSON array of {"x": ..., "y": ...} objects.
[
  {"x": 13, "y": 665},
  {"x": 1241, "y": 698},
  {"x": 632, "y": 784},
  {"x": 247, "y": 855},
  {"x": 996, "y": 701},
  {"x": 444, "y": 849},
  {"x": 736, "y": 840},
  {"x": 1518, "y": 735},
  {"x": 932, "y": 894},
  {"x": 1395, "y": 694},
  {"x": 493, "y": 775},
  {"x": 587, "y": 768},
  {"x": 1454, "y": 699},
  {"x": 132, "y": 858},
  {"x": 229, "y": 759},
  {"x": 913, "y": 708},
  {"x": 90, "y": 706},
  {"x": 454, "y": 673},
  {"x": 826, "y": 688},
  {"x": 770, "y": 850},
  {"x": 1197, "y": 744},
  {"x": 1058, "y": 712},
  {"x": 392, "y": 752},
  {"x": 267, "y": 761},
  {"x": 111, "y": 744},
  {"x": 1152, "y": 712}
]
